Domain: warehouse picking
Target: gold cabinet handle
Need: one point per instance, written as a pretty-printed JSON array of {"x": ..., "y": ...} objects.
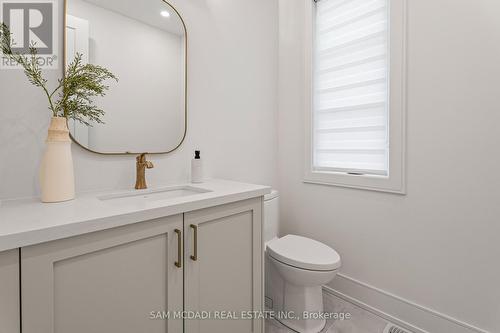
[
  {"x": 178, "y": 263},
  {"x": 194, "y": 256}
]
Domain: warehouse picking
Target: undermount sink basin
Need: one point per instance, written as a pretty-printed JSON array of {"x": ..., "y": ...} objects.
[{"x": 153, "y": 194}]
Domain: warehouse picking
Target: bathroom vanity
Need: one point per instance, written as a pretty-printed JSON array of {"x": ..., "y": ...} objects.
[
  {"x": 125, "y": 262},
  {"x": 133, "y": 261}
]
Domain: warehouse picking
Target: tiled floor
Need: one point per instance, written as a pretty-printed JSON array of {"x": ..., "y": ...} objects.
[{"x": 361, "y": 321}]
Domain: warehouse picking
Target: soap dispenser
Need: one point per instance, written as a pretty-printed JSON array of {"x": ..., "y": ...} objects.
[{"x": 196, "y": 168}]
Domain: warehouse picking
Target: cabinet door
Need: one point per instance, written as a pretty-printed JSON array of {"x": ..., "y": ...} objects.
[
  {"x": 103, "y": 282},
  {"x": 9, "y": 292},
  {"x": 225, "y": 275}
]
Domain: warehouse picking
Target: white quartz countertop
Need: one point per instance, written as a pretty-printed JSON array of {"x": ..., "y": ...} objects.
[{"x": 28, "y": 221}]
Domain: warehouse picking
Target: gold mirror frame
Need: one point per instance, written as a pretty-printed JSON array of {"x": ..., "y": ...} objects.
[{"x": 185, "y": 85}]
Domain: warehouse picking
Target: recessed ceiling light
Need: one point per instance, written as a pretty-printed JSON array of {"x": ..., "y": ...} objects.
[{"x": 165, "y": 13}]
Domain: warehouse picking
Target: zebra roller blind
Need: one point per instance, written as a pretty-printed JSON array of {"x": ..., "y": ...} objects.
[{"x": 351, "y": 87}]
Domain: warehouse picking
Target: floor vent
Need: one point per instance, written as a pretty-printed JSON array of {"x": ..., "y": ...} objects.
[{"x": 391, "y": 328}]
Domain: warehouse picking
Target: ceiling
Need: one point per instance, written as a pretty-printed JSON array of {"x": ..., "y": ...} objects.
[{"x": 146, "y": 11}]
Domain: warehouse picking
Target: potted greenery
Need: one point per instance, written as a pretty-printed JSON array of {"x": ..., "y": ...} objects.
[{"x": 71, "y": 98}]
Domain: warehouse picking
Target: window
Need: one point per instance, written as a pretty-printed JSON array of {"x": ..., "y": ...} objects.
[{"x": 355, "y": 74}]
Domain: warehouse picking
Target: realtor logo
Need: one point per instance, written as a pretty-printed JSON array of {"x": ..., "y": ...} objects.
[{"x": 30, "y": 23}]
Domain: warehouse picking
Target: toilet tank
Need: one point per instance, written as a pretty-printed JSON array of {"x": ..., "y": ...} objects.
[{"x": 271, "y": 216}]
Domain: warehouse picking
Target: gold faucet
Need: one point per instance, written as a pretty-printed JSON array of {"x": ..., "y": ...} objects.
[{"x": 141, "y": 165}]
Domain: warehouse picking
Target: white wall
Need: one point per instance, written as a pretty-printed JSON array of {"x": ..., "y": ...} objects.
[
  {"x": 150, "y": 91},
  {"x": 232, "y": 107},
  {"x": 438, "y": 246}
]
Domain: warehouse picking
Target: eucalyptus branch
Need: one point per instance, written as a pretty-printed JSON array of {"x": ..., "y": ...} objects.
[
  {"x": 81, "y": 85},
  {"x": 38, "y": 78},
  {"x": 76, "y": 91}
]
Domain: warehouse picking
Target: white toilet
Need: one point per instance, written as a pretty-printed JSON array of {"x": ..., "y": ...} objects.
[{"x": 296, "y": 269}]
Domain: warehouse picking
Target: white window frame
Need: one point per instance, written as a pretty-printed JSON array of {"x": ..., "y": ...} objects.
[{"x": 395, "y": 182}]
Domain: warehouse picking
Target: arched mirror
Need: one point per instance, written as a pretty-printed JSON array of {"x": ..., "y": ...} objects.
[{"x": 144, "y": 44}]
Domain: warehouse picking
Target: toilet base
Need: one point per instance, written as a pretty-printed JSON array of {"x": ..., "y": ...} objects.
[{"x": 305, "y": 304}]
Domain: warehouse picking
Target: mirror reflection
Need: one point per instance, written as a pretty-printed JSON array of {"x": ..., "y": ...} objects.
[{"x": 144, "y": 44}]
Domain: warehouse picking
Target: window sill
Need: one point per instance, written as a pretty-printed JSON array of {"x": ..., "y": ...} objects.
[{"x": 361, "y": 182}]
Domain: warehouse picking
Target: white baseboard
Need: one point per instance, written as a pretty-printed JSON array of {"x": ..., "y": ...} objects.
[{"x": 407, "y": 314}]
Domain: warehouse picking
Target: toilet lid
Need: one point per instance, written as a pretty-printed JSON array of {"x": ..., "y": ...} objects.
[{"x": 304, "y": 253}]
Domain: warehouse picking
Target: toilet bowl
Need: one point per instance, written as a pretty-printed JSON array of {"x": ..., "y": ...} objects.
[{"x": 296, "y": 269}]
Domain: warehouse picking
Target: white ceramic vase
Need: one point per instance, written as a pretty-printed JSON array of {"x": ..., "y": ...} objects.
[{"x": 57, "y": 178}]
